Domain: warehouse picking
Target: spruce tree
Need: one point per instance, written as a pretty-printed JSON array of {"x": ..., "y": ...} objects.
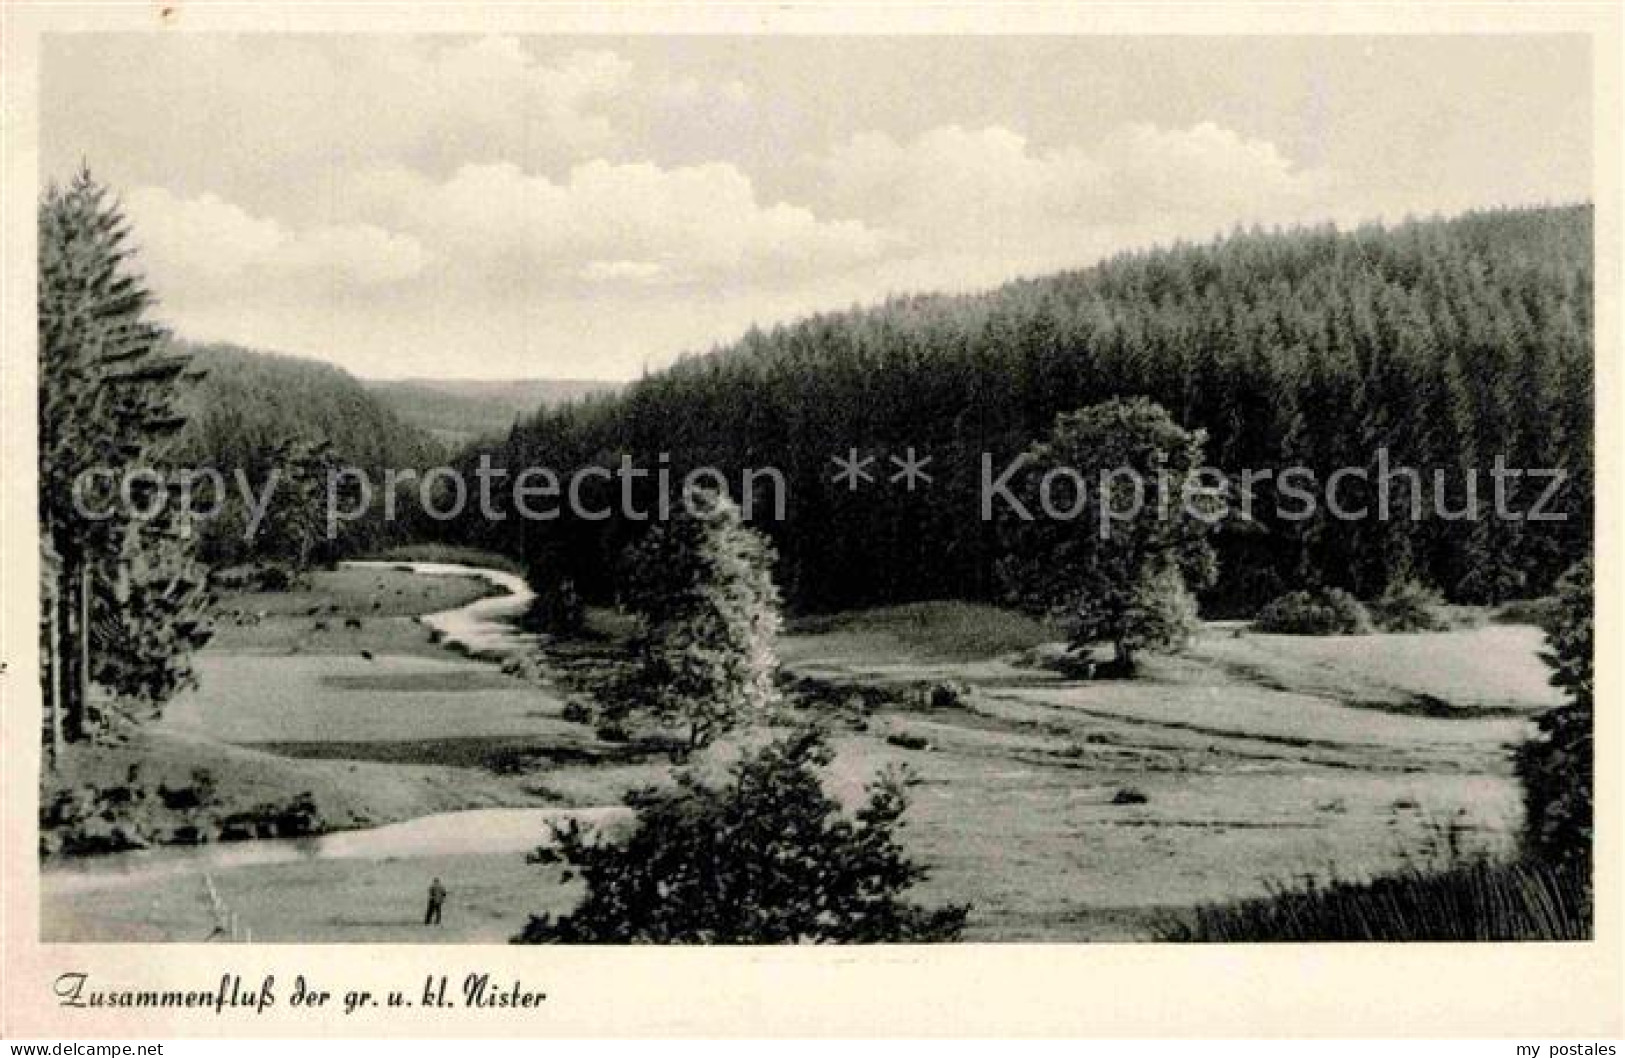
[
  {"x": 1557, "y": 767},
  {"x": 109, "y": 403},
  {"x": 1443, "y": 341}
]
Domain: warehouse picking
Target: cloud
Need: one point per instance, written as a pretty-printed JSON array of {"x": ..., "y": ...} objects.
[
  {"x": 192, "y": 247},
  {"x": 275, "y": 114},
  {"x": 957, "y": 190},
  {"x": 622, "y": 271},
  {"x": 681, "y": 253},
  {"x": 633, "y": 222}
]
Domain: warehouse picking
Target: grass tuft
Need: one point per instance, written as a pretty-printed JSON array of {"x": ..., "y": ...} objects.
[{"x": 1480, "y": 901}]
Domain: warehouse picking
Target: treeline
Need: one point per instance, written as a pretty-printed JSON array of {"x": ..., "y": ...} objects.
[
  {"x": 254, "y": 412},
  {"x": 460, "y": 411},
  {"x": 1445, "y": 342}
]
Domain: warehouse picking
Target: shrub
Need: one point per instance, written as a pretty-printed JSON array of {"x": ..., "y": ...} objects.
[
  {"x": 1538, "y": 612},
  {"x": 1328, "y": 612},
  {"x": 944, "y": 695},
  {"x": 1408, "y": 605},
  {"x": 558, "y": 609},
  {"x": 270, "y": 578},
  {"x": 765, "y": 858},
  {"x": 1161, "y": 616}
]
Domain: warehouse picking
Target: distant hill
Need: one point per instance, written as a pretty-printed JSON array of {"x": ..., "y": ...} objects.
[
  {"x": 459, "y": 411},
  {"x": 249, "y": 402}
]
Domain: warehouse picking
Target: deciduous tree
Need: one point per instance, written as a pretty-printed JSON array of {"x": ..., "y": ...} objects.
[
  {"x": 1111, "y": 527},
  {"x": 765, "y": 858},
  {"x": 702, "y": 584}
]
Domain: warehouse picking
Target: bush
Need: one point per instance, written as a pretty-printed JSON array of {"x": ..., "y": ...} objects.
[
  {"x": 1537, "y": 612},
  {"x": 1328, "y": 612},
  {"x": 944, "y": 695},
  {"x": 558, "y": 609},
  {"x": 1480, "y": 901},
  {"x": 258, "y": 576},
  {"x": 275, "y": 579},
  {"x": 766, "y": 858},
  {"x": 1161, "y": 616},
  {"x": 1408, "y": 605}
]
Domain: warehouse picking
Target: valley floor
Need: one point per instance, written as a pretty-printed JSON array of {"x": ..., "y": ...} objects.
[{"x": 1059, "y": 809}]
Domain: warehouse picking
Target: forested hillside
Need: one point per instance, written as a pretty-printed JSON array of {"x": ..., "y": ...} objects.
[
  {"x": 254, "y": 411},
  {"x": 1445, "y": 342},
  {"x": 459, "y": 411}
]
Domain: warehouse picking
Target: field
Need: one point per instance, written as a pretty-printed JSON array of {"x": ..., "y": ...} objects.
[
  {"x": 1259, "y": 758},
  {"x": 1060, "y": 809}
]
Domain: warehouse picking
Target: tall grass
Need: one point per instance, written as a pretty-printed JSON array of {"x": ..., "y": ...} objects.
[{"x": 1479, "y": 901}]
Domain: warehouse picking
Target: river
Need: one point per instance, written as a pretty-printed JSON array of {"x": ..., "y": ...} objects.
[{"x": 483, "y": 629}]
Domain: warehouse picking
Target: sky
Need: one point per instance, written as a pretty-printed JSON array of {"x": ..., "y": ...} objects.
[{"x": 572, "y": 207}]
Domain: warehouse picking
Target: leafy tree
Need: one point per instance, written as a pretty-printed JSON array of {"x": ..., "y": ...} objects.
[
  {"x": 702, "y": 584},
  {"x": 1557, "y": 766},
  {"x": 766, "y": 858},
  {"x": 1114, "y": 562},
  {"x": 109, "y": 403}
]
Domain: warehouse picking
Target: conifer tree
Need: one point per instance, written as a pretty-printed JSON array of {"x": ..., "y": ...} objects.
[
  {"x": 109, "y": 399},
  {"x": 1445, "y": 342},
  {"x": 1557, "y": 767}
]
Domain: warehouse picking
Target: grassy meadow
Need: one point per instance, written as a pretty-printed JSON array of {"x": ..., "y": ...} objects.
[{"x": 1059, "y": 809}]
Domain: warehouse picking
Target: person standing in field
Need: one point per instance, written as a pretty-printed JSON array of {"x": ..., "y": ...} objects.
[{"x": 437, "y": 900}]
